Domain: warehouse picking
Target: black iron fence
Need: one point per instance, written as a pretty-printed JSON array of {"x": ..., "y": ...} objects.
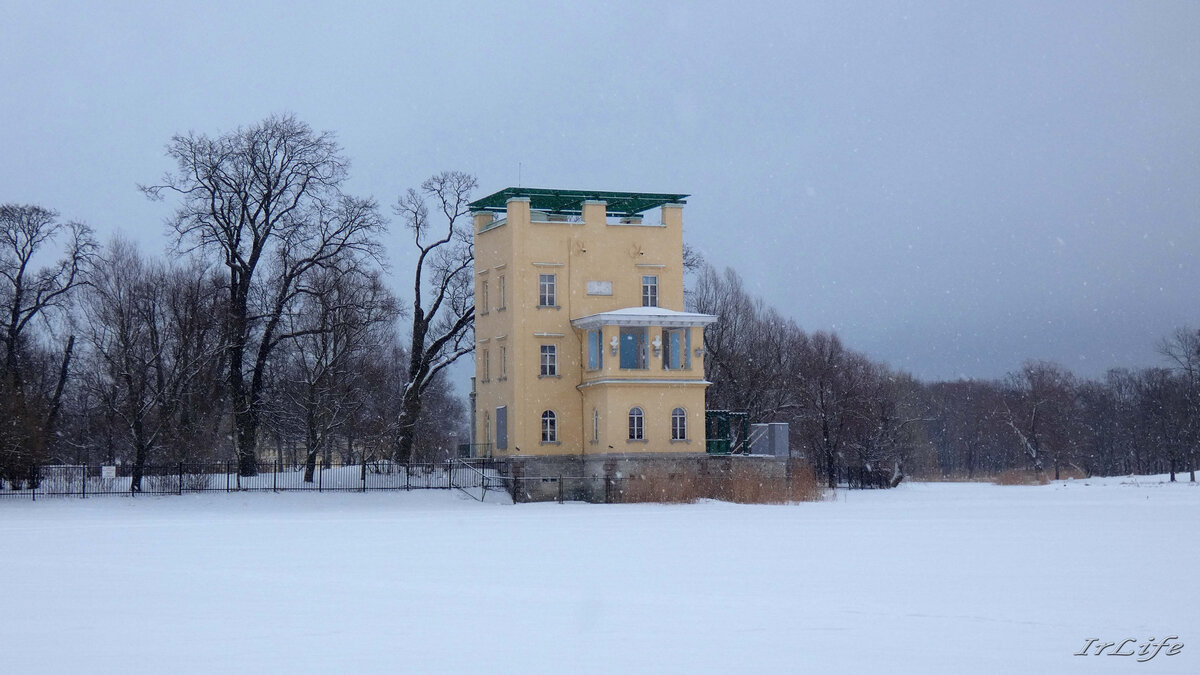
[{"x": 187, "y": 477}]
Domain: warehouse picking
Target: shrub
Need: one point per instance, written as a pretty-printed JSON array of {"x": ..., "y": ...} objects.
[
  {"x": 745, "y": 483},
  {"x": 1021, "y": 477}
]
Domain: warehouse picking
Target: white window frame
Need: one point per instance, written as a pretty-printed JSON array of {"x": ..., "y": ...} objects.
[
  {"x": 483, "y": 292},
  {"x": 502, "y": 294},
  {"x": 547, "y": 290},
  {"x": 549, "y": 426},
  {"x": 679, "y": 424},
  {"x": 649, "y": 290},
  {"x": 637, "y": 424},
  {"x": 549, "y": 361}
]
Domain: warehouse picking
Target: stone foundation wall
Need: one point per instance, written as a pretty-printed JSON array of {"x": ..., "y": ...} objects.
[{"x": 613, "y": 478}]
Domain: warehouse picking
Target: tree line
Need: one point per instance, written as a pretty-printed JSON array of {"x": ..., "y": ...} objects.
[
  {"x": 854, "y": 418},
  {"x": 265, "y": 333}
]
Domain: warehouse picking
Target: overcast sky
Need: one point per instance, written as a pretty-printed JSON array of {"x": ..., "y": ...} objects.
[{"x": 954, "y": 187}]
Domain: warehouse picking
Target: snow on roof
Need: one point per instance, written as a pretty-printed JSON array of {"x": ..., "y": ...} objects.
[{"x": 644, "y": 316}]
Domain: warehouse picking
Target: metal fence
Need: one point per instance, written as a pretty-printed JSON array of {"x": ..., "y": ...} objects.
[{"x": 94, "y": 480}]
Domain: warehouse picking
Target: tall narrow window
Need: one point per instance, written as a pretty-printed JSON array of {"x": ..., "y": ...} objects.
[
  {"x": 679, "y": 424},
  {"x": 487, "y": 365},
  {"x": 504, "y": 363},
  {"x": 483, "y": 293},
  {"x": 677, "y": 344},
  {"x": 595, "y": 349},
  {"x": 549, "y": 427},
  {"x": 637, "y": 426},
  {"x": 649, "y": 291},
  {"x": 487, "y": 430},
  {"x": 547, "y": 295},
  {"x": 633, "y": 347},
  {"x": 502, "y": 293},
  {"x": 549, "y": 361},
  {"x": 502, "y": 427},
  {"x": 595, "y": 425}
]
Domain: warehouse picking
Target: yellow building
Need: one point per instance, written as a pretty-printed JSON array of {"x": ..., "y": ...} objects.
[{"x": 582, "y": 344}]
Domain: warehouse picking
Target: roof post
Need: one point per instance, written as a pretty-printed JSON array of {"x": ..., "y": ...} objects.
[
  {"x": 517, "y": 210},
  {"x": 594, "y": 212},
  {"x": 672, "y": 215},
  {"x": 481, "y": 219}
]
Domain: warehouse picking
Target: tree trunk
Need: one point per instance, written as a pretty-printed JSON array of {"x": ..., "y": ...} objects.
[
  {"x": 408, "y": 425},
  {"x": 246, "y": 421},
  {"x": 310, "y": 465},
  {"x": 139, "y": 468}
]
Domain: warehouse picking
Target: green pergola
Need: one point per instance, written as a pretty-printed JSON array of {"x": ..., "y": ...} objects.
[{"x": 570, "y": 202}]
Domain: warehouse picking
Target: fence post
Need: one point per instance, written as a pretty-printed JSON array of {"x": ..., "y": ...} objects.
[
  {"x": 320, "y": 476},
  {"x": 364, "y": 472},
  {"x": 227, "y": 475},
  {"x": 181, "y": 478},
  {"x": 560, "y": 488},
  {"x": 34, "y": 486},
  {"x": 83, "y": 489},
  {"x": 406, "y": 467},
  {"x": 275, "y": 477}
]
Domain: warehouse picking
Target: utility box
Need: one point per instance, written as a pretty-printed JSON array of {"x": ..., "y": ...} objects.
[{"x": 769, "y": 439}]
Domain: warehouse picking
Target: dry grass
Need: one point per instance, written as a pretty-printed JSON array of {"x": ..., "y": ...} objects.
[
  {"x": 1021, "y": 477},
  {"x": 1069, "y": 472},
  {"x": 745, "y": 484},
  {"x": 959, "y": 477}
]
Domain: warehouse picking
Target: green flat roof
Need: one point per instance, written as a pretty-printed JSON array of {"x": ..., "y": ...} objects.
[{"x": 570, "y": 202}]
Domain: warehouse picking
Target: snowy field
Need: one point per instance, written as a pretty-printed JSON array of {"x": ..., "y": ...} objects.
[{"x": 946, "y": 578}]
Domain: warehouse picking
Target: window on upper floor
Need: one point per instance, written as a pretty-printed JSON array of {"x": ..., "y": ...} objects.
[
  {"x": 595, "y": 347},
  {"x": 487, "y": 365},
  {"x": 549, "y": 365},
  {"x": 633, "y": 348},
  {"x": 547, "y": 290},
  {"x": 483, "y": 297},
  {"x": 504, "y": 363},
  {"x": 649, "y": 291},
  {"x": 676, "y": 349},
  {"x": 501, "y": 288}
]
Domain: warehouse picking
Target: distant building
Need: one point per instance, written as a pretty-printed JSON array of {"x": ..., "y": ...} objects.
[{"x": 582, "y": 344}]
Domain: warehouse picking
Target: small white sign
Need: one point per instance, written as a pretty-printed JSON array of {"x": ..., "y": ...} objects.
[
  {"x": 599, "y": 288},
  {"x": 108, "y": 472}
]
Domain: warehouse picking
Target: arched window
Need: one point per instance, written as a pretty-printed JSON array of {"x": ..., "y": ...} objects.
[
  {"x": 549, "y": 427},
  {"x": 679, "y": 424},
  {"x": 636, "y": 425}
]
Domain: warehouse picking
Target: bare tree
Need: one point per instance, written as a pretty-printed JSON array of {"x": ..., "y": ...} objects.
[
  {"x": 345, "y": 314},
  {"x": 29, "y": 293},
  {"x": 443, "y": 303},
  {"x": 25, "y": 232},
  {"x": 155, "y": 350},
  {"x": 1182, "y": 350},
  {"x": 751, "y": 351},
  {"x": 266, "y": 201}
]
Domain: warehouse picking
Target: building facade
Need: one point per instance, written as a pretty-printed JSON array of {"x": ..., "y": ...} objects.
[{"x": 582, "y": 342}]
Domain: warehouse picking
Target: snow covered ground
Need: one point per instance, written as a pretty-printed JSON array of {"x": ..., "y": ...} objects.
[{"x": 956, "y": 578}]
